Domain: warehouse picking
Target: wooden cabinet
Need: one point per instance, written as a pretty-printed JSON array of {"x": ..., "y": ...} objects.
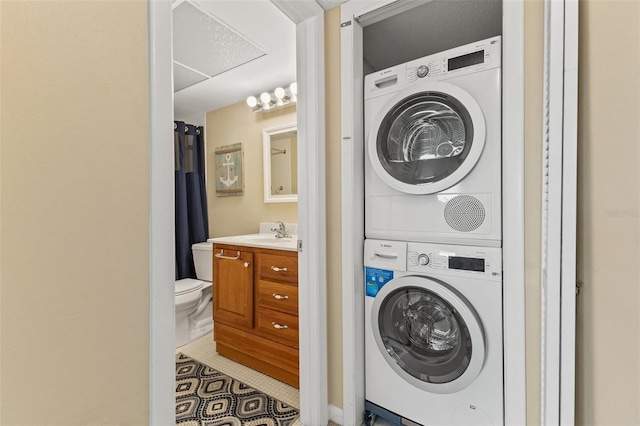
[{"x": 255, "y": 308}]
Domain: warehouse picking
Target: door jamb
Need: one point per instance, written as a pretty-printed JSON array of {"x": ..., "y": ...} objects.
[
  {"x": 161, "y": 218},
  {"x": 558, "y": 283}
]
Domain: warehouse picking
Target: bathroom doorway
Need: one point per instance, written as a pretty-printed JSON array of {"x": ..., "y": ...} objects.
[{"x": 313, "y": 360}]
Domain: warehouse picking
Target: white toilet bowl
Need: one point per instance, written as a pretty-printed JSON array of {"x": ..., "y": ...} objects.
[{"x": 193, "y": 304}]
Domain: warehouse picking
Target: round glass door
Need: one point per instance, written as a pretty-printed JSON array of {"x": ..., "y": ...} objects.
[
  {"x": 427, "y": 140},
  {"x": 428, "y": 334}
]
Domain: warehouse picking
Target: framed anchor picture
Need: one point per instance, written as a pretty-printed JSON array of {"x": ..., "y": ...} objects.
[{"x": 229, "y": 180}]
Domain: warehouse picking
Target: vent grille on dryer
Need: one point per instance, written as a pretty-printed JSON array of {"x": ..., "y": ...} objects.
[{"x": 464, "y": 213}]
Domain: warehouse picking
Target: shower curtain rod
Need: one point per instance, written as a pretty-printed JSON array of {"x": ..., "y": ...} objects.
[
  {"x": 275, "y": 151},
  {"x": 186, "y": 129}
]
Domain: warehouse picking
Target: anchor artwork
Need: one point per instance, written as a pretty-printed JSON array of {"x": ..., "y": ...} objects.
[{"x": 229, "y": 180}]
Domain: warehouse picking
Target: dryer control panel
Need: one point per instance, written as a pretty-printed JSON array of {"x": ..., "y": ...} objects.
[
  {"x": 470, "y": 58},
  {"x": 450, "y": 260}
]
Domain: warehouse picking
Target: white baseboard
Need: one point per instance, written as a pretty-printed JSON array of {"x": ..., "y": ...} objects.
[{"x": 335, "y": 414}]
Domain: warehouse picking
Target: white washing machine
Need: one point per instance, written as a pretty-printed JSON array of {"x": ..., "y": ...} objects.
[
  {"x": 433, "y": 333},
  {"x": 433, "y": 148}
]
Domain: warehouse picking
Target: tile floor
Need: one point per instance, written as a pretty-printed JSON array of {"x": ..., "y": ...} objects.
[{"x": 204, "y": 350}]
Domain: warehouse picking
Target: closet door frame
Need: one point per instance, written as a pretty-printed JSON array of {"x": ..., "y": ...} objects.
[{"x": 354, "y": 16}]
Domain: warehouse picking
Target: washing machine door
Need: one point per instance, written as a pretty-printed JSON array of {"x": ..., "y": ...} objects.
[
  {"x": 428, "y": 333},
  {"x": 427, "y": 138}
]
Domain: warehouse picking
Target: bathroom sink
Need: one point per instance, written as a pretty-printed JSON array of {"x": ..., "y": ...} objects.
[{"x": 264, "y": 240}]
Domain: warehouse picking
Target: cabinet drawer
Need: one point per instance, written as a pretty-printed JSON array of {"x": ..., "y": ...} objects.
[
  {"x": 278, "y": 326},
  {"x": 276, "y": 296},
  {"x": 278, "y": 267}
]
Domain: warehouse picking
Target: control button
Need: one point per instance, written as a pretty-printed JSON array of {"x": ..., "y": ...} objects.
[
  {"x": 423, "y": 259},
  {"x": 422, "y": 71}
]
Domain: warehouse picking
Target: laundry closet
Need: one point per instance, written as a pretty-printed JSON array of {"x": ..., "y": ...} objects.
[{"x": 430, "y": 104}]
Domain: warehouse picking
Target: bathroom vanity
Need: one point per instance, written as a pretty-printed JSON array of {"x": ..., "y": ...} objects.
[{"x": 255, "y": 303}]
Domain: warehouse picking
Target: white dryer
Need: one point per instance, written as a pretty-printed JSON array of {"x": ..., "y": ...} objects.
[
  {"x": 433, "y": 148},
  {"x": 433, "y": 333}
]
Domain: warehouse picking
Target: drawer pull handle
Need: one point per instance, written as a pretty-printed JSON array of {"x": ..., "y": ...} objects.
[
  {"x": 247, "y": 264},
  {"x": 279, "y": 297},
  {"x": 222, "y": 256},
  {"x": 275, "y": 268},
  {"x": 278, "y": 326}
]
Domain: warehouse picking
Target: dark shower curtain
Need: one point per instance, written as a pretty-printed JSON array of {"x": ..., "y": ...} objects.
[{"x": 191, "y": 198}]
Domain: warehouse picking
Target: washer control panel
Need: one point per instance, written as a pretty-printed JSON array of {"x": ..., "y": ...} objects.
[{"x": 479, "y": 262}]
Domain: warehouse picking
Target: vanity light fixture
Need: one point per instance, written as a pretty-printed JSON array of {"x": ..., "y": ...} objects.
[
  {"x": 279, "y": 97},
  {"x": 252, "y": 101}
]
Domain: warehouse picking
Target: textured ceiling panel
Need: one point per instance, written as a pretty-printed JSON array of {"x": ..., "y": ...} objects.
[
  {"x": 205, "y": 44},
  {"x": 184, "y": 77}
]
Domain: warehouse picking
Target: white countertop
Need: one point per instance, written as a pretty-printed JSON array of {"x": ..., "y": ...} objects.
[
  {"x": 265, "y": 238},
  {"x": 261, "y": 240}
]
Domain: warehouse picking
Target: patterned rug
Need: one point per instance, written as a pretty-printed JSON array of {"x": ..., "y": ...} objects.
[{"x": 206, "y": 397}]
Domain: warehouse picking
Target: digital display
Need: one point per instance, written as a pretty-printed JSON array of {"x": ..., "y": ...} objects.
[
  {"x": 466, "y": 60},
  {"x": 466, "y": 264}
]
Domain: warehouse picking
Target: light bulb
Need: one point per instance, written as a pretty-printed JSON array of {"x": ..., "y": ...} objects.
[
  {"x": 279, "y": 92},
  {"x": 265, "y": 98},
  {"x": 252, "y": 101},
  {"x": 294, "y": 88}
]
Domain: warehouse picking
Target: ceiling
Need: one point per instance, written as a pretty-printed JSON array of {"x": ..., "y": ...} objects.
[{"x": 227, "y": 50}]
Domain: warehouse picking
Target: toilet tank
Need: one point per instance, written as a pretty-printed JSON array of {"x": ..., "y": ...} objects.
[{"x": 203, "y": 260}]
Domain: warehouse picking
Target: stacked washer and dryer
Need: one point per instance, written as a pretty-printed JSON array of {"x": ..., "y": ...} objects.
[{"x": 433, "y": 257}]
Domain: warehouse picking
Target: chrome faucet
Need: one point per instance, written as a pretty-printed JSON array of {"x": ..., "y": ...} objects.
[{"x": 280, "y": 230}]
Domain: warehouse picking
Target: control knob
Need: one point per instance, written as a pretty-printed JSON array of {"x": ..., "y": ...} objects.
[
  {"x": 422, "y": 71},
  {"x": 423, "y": 259}
]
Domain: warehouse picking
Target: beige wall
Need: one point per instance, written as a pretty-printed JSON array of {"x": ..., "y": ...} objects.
[
  {"x": 242, "y": 214},
  {"x": 533, "y": 57},
  {"x": 334, "y": 226},
  {"x": 608, "y": 334},
  {"x": 74, "y": 215},
  {"x": 66, "y": 78}
]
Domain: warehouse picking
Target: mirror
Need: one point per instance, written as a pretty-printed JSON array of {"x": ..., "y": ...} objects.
[{"x": 280, "y": 155}]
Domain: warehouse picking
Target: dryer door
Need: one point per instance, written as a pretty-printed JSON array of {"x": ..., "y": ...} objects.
[
  {"x": 427, "y": 138},
  {"x": 428, "y": 333}
]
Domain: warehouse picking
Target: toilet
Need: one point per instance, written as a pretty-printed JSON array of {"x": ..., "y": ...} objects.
[{"x": 193, "y": 306}]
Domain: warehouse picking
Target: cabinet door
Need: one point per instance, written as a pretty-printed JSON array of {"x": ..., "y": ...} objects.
[{"x": 233, "y": 287}]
